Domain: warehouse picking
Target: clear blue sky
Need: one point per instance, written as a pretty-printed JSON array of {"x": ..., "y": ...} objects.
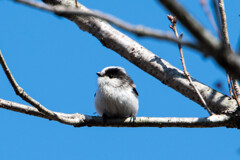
[{"x": 55, "y": 63}]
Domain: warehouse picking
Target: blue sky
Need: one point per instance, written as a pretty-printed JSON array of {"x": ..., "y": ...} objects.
[{"x": 56, "y": 63}]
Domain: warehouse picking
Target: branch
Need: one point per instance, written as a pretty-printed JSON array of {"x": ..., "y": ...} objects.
[
  {"x": 235, "y": 86},
  {"x": 138, "y": 30},
  {"x": 212, "y": 46},
  {"x": 224, "y": 22},
  {"x": 147, "y": 61},
  {"x": 205, "y": 6},
  {"x": 173, "y": 20},
  {"x": 229, "y": 85},
  {"x": 216, "y": 10},
  {"x": 80, "y": 120},
  {"x": 20, "y": 92},
  {"x": 209, "y": 45},
  {"x": 199, "y": 32}
]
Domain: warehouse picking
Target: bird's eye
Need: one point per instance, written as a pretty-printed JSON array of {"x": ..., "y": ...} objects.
[{"x": 110, "y": 76}]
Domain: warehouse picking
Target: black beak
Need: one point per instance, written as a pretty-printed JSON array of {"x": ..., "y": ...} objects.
[{"x": 99, "y": 74}]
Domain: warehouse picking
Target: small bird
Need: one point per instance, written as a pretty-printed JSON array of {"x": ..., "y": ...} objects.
[{"x": 116, "y": 96}]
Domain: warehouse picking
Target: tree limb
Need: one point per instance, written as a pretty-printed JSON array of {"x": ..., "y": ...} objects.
[
  {"x": 235, "y": 86},
  {"x": 212, "y": 47},
  {"x": 20, "y": 92},
  {"x": 206, "y": 9},
  {"x": 150, "y": 63},
  {"x": 199, "y": 32},
  {"x": 138, "y": 30},
  {"x": 80, "y": 120},
  {"x": 147, "y": 61},
  {"x": 173, "y": 20},
  {"x": 224, "y": 22}
]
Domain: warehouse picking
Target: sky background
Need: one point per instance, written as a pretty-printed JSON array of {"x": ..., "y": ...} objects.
[{"x": 56, "y": 63}]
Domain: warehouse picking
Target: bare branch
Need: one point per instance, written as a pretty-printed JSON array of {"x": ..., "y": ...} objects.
[
  {"x": 20, "y": 92},
  {"x": 138, "y": 30},
  {"x": 209, "y": 14},
  {"x": 212, "y": 46},
  {"x": 199, "y": 32},
  {"x": 150, "y": 63},
  {"x": 235, "y": 86},
  {"x": 80, "y": 120},
  {"x": 229, "y": 85},
  {"x": 224, "y": 22},
  {"x": 76, "y": 3},
  {"x": 173, "y": 20},
  {"x": 234, "y": 91},
  {"x": 208, "y": 43},
  {"x": 147, "y": 61},
  {"x": 216, "y": 9}
]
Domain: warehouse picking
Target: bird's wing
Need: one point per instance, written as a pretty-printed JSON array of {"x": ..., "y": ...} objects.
[{"x": 135, "y": 91}]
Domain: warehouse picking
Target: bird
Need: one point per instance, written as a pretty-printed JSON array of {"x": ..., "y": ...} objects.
[{"x": 116, "y": 96}]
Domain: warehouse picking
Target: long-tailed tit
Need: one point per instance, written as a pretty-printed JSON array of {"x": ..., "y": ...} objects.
[{"x": 116, "y": 95}]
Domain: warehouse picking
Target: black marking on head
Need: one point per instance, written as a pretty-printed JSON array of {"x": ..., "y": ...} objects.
[
  {"x": 115, "y": 73},
  {"x": 135, "y": 91},
  {"x": 118, "y": 73}
]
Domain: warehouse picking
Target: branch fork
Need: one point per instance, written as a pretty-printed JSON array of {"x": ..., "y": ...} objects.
[
  {"x": 173, "y": 20},
  {"x": 142, "y": 58}
]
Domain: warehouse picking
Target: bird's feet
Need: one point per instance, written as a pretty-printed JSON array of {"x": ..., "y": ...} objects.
[
  {"x": 105, "y": 118},
  {"x": 132, "y": 119}
]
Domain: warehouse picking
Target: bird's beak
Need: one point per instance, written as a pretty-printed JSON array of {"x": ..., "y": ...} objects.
[{"x": 99, "y": 74}]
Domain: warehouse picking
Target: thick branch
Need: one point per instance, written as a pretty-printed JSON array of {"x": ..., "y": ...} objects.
[
  {"x": 80, "y": 120},
  {"x": 206, "y": 8},
  {"x": 147, "y": 61},
  {"x": 150, "y": 62},
  {"x": 223, "y": 16},
  {"x": 212, "y": 46},
  {"x": 138, "y": 30},
  {"x": 199, "y": 32}
]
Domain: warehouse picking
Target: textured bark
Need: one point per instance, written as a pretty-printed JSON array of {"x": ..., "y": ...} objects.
[
  {"x": 227, "y": 110},
  {"x": 80, "y": 120},
  {"x": 212, "y": 47},
  {"x": 147, "y": 61}
]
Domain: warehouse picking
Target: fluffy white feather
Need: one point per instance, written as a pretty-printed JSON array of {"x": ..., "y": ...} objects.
[{"x": 115, "y": 96}]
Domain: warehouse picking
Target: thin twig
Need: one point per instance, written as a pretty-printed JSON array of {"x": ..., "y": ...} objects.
[
  {"x": 224, "y": 22},
  {"x": 81, "y": 120},
  {"x": 209, "y": 45},
  {"x": 236, "y": 88},
  {"x": 235, "y": 85},
  {"x": 150, "y": 62},
  {"x": 76, "y": 3},
  {"x": 229, "y": 85},
  {"x": 204, "y": 37},
  {"x": 213, "y": 47},
  {"x": 138, "y": 30},
  {"x": 219, "y": 19},
  {"x": 216, "y": 9},
  {"x": 173, "y": 20},
  {"x": 205, "y": 6},
  {"x": 20, "y": 92},
  {"x": 234, "y": 92}
]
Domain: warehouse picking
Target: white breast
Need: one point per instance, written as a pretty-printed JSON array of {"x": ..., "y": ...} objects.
[{"x": 116, "y": 101}]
